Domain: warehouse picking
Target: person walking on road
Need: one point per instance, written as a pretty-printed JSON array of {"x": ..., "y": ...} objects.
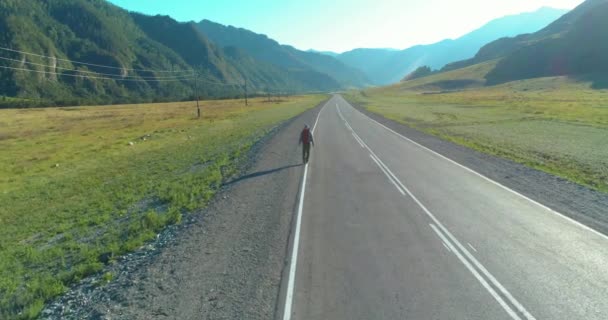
[{"x": 306, "y": 140}]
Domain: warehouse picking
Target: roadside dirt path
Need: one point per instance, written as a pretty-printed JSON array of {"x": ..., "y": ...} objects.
[{"x": 226, "y": 263}]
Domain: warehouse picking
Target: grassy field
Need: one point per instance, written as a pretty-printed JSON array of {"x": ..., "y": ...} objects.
[
  {"x": 554, "y": 124},
  {"x": 79, "y": 186}
]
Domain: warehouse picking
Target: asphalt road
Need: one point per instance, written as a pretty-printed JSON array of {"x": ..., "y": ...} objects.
[{"x": 387, "y": 229}]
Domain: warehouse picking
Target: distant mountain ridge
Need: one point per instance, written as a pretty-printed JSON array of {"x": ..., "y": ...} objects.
[
  {"x": 327, "y": 53},
  {"x": 575, "y": 44},
  {"x": 384, "y": 66},
  {"x": 265, "y": 49}
]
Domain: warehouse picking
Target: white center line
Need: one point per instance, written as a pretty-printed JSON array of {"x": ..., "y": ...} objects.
[
  {"x": 446, "y": 246},
  {"x": 387, "y": 175},
  {"x": 358, "y": 140},
  {"x": 476, "y": 274},
  {"x": 471, "y": 246}
]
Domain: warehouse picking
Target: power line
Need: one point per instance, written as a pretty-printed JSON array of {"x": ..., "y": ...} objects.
[
  {"x": 108, "y": 76},
  {"x": 93, "y": 77},
  {"x": 90, "y": 72},
  {"x": 91, "y": 64},
  {"x": 221, "y": 83},
  {"x": 169, "y": 79}
]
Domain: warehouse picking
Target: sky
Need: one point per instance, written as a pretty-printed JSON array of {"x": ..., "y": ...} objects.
[{"x": 342, "y": 25}]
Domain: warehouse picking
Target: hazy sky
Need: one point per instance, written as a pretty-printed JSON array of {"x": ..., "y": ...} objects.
[{"x": 341, "y": 25}]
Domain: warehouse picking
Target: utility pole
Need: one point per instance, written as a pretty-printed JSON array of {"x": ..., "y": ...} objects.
[
  {"x": 198, "y": 107},
  {"x": 246, "y": 103}
]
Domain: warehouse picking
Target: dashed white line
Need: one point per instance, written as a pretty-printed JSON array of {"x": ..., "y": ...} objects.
[{"x": 471, "y": 246}]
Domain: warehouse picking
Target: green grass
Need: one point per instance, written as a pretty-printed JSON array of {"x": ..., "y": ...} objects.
[
  {"x": 77, "y": 184},
  {"x": 554, "y": 124},
  {"x": 473, "y": 76}
]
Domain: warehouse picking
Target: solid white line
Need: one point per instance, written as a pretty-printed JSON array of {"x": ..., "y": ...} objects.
[
  {"x": 356, "y": 138},
  {"x": 360, "y": 141},
  {"x": 446, "y": 246},
  {"x": 348, "y": 125},
  {"x": 314, "y": 127},
  {"x": 476, "y": 274},
  {"x": 296, "y": 241},
  {"x": 519, "y": 306},
  {"x": 471, "y": 246},
  {"x": 490, "y": 180},
  {"x": 389, "y": 177}
]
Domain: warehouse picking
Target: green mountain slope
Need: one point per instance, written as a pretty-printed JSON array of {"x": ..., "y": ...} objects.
[
  {"x": 575, "y": 44},
  {"x": 301, "y": 63},
  {"x": 386, "y": 66},
  {"x": 129, "y": 57}
]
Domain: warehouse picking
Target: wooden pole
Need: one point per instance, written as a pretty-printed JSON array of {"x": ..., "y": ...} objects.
[{"x": 198, "y": 107}]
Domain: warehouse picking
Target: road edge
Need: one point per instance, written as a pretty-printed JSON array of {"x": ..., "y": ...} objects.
[{"x": 291, "y": 250}]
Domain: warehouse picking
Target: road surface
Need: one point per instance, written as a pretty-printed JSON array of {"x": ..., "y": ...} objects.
[{"x": 387, "y": 229}]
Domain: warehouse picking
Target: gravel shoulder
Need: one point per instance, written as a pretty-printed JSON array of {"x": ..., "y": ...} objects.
[
  {"x": 225, "y": 262},
  {"x": 578, "y": 202}
]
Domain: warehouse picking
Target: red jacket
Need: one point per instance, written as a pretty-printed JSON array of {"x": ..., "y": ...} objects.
[{"x": 306, "y": 137}]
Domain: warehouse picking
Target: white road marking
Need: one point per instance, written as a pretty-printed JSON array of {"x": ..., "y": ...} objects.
[
  {"x": 387, "y": 175},
  {"x": 490, "y": 180},
  {"x": 446, "y": 246},
  {"x": 349, "y": 127},
  {"x": 296, "y": 241},
  {"x": 492, "y": 279},
  {"x": 471, "y": 246},
  {"x": 476, "y": 274},
  {"x": 357, "y": 138}
]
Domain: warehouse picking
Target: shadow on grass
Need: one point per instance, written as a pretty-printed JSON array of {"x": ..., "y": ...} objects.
[{"x": 260, "y": 173}]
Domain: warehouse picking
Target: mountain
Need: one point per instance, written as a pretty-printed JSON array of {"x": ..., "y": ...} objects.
[
  {"x": 327, "y": 53},
  {"x": 371, "y": 61},
  {"x": 421, "y": 72},
  {"x": 295, "y": 61},
  {"x": 384, "y": 67},
  {"x": 90, "y": 51},
  {"x": 576, "y": 44}
]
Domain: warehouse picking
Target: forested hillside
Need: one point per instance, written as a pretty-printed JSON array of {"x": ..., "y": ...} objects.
[
  {"x": 306, "y": 65},
  {"x": 61, "y": 52}
]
